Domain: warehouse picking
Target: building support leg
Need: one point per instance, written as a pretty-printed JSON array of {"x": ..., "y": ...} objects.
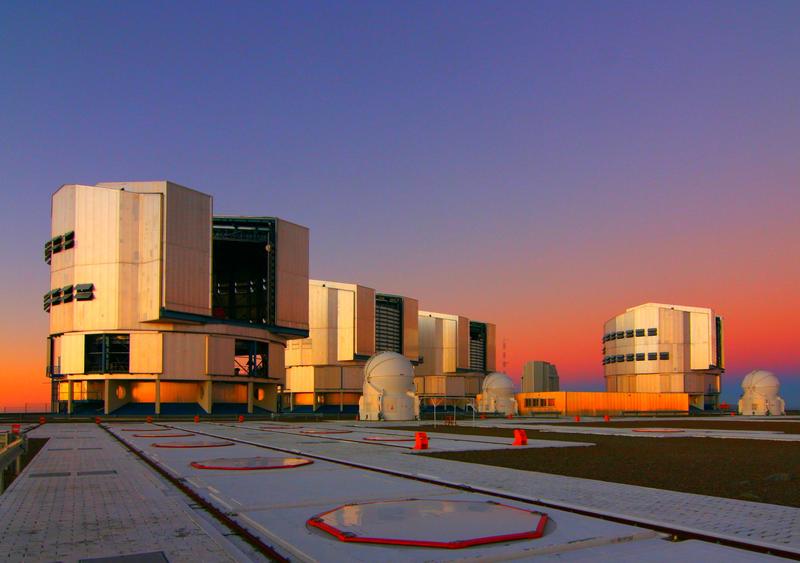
[
  {"x": 70, "y": 396},
  {"x": 249, "y": 397},
  {"x": 158, "y": 396},
  {"x": 207, "y": 398},
  {"x": 106, "y": 396}
]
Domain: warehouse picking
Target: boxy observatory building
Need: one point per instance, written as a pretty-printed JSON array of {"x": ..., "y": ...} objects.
[
  {"x": 158, "y": 306},
  {"x": 348, "y": 323},
  {"x": 656, "y": 358},
  {"x": 658, "y": 348}
]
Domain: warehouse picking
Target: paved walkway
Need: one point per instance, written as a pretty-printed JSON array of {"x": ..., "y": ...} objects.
[
  {"x": 768, "y": 525},
  {"x": 85, "y": 496}
]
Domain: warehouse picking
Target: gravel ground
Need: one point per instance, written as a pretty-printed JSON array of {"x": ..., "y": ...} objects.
[
  {"x": 787, "y": 427},
  {"x": 754, "y": 470}
]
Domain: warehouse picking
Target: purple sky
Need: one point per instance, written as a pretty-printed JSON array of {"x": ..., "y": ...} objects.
[{"x": 542, "y": 165}]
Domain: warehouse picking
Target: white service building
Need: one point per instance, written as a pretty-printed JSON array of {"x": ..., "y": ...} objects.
[{"x": 660, "y": 348}]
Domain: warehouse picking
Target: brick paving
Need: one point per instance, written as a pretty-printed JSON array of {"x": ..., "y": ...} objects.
[{"x": 85, "y": 496}]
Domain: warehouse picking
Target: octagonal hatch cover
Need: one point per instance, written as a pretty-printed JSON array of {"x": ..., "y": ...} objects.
[
  {"x": 325, "y": 431},
  {"x": 387, "y": 439},
  {"x": 450, "y": 524},
  {"x": 251, "y": 463}
]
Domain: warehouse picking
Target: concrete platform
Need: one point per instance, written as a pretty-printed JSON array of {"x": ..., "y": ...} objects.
[
  {"x": 86, "y": 496},
  {"x": 560, "y": 425},
  {"x": 771, "y": 526},
  {"x": 277, "y": 504},
  {"x": 367, "y": 432}
]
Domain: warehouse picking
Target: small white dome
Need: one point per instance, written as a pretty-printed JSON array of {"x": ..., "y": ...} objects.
[
  {"x": 389, "y": 371},
  {"x": 762, "y": 382},
  {"x": 497, "y": 381},
  {"x": 388, "y": 391}
]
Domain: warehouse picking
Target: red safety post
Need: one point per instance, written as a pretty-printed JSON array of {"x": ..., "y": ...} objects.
[
  {"x": 97, "y": 420},
  {"x": 606, "y": 418},
  {"x": 196, "y": 419},
  {"x": 483, "y": 417},
  {"x": 149, "y": 420},
  {"x": 733, "y": 413},
  {"x": 420, "y": 441},
  {"x": 42, "y": 420},
  {"x": 577, "y": 418},
  {"x": 509, "y": 416},
  {"x": 241, "y": 418},
  {"x": 15, "y": 428},
  {"x": 520, "y": 437}
]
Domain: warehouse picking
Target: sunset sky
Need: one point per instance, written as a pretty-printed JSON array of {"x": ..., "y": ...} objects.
[{"x": 540, "y": 165}]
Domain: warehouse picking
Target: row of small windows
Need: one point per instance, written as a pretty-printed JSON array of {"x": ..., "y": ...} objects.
[
  {"x": 57, "y": 244},
  {"x": 79, "y": 292},
  {"x": 640, "y": 357},
  {"x": 630, "y": 333},
  {"x": 531, "y": 402}
]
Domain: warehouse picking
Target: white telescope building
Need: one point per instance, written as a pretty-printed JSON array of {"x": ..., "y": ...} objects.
[
  {"x": 388, "y": 392},
  {"x": 456, "y": 353},
  {"x": 658, "y": 348},
  {"x": 348, "y": 323},
  {"x": 498, "y": 395},
  {"x": 760, "y": 394},
  {"x": 157, "y": 306}
]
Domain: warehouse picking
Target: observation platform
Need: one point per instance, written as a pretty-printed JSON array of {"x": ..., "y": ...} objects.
[{"x": 86, "y": 495}]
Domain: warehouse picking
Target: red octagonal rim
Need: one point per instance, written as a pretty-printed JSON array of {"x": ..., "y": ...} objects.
[
  {"x": 386, "y": 439},
  {"x": 278, "y": 427},
  {"x": 183, "y": 435},
  {"x": 325, "y": 431},
  {"x": 251, "y": 463},
  {"x": 435, "y": 523},
  {"x": 148, "y": 429},
  {"x": 191, "y": 444},
  {"x": 657, "y": 430}
]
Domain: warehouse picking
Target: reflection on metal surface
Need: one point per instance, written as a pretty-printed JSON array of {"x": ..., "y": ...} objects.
[
  {"x": 450, "y": 524},
  {"x": 181, "y": 435},
  {"x": 251, "y": 463},
  {"x": 191, "y": 444}
]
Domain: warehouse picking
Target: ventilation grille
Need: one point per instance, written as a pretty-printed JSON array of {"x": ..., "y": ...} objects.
[{"x": 388, "y": 324}]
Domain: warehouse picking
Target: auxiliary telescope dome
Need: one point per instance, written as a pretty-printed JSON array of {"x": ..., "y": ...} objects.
[
  {"x": 761, "y": 381},
  {"x": 760, "y": 394},
  {"x": 498, "y": 381},
  {"x": 498, "y": 394},
  {"x": 388, "y": 392}
]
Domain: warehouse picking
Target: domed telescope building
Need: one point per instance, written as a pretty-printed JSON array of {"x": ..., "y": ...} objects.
[
  {"x": 760, "y": 394},
  {"x": 388, "y": 392},
  {"x": 498, "y": 395}
]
